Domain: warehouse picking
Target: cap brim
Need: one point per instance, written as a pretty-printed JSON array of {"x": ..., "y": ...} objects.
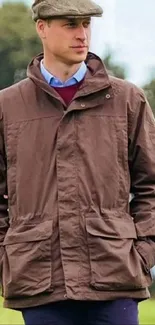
[{"x": 82, "y": 16}]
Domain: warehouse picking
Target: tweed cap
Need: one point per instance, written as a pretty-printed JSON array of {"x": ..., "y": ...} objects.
[{"x": 65, "y": 8}]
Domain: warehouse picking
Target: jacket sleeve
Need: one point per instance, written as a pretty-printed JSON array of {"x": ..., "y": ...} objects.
[
  {"x": 142, "y": 171},
  {"x": 4, "y": 219}
]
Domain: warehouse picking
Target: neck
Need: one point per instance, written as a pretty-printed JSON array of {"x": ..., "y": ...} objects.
[{"x": 59, "y": 69}]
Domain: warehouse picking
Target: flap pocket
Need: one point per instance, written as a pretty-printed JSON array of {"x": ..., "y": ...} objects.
[
  {"x": 25, "y": 233},
  {"x": 113, "y": 226},
  {"x": 114, "y": 262}
]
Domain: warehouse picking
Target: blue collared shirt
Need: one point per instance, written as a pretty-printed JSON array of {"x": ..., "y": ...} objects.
[{"x": 55, "y": 82}]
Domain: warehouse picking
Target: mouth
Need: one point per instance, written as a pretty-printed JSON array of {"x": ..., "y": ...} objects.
[{"x": 79, "y": 47}]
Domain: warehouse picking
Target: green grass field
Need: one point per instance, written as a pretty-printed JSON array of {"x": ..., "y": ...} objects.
[
  {"x": 9, "y": 317},
  {"x": 146, "y": 314}
]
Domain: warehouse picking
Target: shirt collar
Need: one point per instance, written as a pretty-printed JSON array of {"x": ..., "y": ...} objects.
[{"x": 53, "y": 81}]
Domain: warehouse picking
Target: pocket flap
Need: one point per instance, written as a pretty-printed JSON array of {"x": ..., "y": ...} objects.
[
  {"x": 111, "y": 226},
  {"x": 29, "y": 233}
]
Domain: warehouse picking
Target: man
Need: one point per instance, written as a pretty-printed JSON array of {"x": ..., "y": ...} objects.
[{"x": 74, "y": 143}]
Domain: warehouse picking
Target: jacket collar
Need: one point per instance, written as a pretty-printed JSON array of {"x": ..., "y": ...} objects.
[{"x": 96, "y": 77}]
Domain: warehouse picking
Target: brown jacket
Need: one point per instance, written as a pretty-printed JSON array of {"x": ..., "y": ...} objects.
[{"x": 71, "y": 232}]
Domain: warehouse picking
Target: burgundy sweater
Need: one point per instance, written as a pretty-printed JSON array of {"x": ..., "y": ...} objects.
[{"x": 67, "y": 93}]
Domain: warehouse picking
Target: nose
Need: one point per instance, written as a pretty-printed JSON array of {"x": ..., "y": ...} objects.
[{"x": 81, "y": 34}]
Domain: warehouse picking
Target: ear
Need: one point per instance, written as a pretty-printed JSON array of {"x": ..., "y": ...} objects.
[{"x": 41, "y": 26}]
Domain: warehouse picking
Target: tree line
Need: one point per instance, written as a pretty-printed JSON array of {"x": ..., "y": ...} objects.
[{"x": 19, "y": 43}]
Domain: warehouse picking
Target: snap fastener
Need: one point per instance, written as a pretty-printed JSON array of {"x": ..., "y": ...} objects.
[
  {"x": 107, "y": 96},
  {"x": 83, "y": 105}
]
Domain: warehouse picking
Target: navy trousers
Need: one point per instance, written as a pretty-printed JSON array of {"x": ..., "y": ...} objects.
[{"x": 70, "y": 312}]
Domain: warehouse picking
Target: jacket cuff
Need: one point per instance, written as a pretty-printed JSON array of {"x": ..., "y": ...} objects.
[
  {"x": 1, "y": 260},
  {"x": 146, "y": 249}
]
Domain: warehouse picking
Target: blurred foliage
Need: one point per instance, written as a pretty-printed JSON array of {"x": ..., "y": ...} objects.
[
  {"x": 150, "y": 93},
  {"x": 120, "y": 72},
  {"x": 113, "y": 68},
  {"x": 18, "y": 42},
  {"x": 152, "y": 290}
]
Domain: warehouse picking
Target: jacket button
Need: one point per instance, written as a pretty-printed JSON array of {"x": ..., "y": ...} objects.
[
  {"x": 65, "y": 296},
  {"x": 83, "y": 105},
  {"x": 107, "y": 96}
]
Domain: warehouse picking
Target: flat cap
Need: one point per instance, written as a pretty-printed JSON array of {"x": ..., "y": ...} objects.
[{"x": 42, "y": 9}]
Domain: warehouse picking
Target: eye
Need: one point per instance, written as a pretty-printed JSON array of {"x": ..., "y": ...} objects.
[
  {"x": 71, "y": 24},
  {"x": 86, "y": 24}
]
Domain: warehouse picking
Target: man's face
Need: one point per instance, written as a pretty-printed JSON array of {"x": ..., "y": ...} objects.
[{"x": 67, "y": 40}]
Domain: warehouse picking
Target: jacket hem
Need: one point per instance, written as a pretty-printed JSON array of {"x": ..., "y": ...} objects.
[{"x": 95, "y": 295}]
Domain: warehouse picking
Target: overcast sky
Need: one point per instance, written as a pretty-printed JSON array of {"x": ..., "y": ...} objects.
[{"x": 129, "y": 28}]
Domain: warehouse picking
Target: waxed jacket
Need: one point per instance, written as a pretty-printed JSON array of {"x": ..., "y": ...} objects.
[{"x": 70, "y": 232}]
